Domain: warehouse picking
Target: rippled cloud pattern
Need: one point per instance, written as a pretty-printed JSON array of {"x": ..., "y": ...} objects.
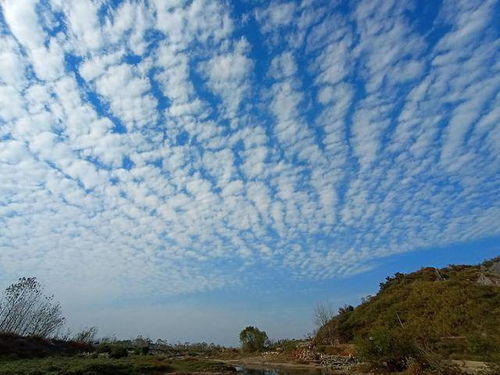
[{"x": 166, "y": 147}]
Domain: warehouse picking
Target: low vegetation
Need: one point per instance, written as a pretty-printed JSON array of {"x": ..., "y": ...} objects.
[
  {"x": 448, "y": 313},
  {"x": 130, "y": 365},
  {"x": 14, "y": 346}
]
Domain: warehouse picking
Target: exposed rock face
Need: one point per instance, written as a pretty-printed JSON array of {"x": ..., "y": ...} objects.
[
  {"x": 490, "y": 280},
  {"x": 490, "y": 275},
  {"x": 495, "y": 268},
  {"x": 484, "y": 280}
]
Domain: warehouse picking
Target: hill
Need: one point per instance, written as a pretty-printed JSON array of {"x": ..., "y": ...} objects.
[{"x": 453, "y": 310}]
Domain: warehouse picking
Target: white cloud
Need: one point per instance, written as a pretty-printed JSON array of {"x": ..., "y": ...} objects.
[
  {"x": 83, "y": 25},
  {"x": 276, "y": 15},
  {"x": 315, "y": 153},
  {"x": 23, "y": 22},
  {"x": 127, "y": 93},
  {"x": 283, "y": 65},
  {"x": 12, "y": 67},
  {"x": 228, "y": 74}
]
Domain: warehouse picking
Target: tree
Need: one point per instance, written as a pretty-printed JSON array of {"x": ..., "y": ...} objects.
[
  {"x": 25, "y": 310},
  {"x": 253, "y": 339},
  {"x": 323, "y": 313}
]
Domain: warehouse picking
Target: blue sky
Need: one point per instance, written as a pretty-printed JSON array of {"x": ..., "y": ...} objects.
[{"x": 183, "y": 169}]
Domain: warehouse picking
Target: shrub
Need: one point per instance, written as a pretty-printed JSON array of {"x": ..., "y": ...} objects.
[
  {"x": 477, "y": 344},
  {"x": 103, "y": 347},
  {"x": 141, "y": 350},
  {"x": 391, "y": 350},
  {"x": 86, "y": 335},
  {"x": 118, "y": 352}
]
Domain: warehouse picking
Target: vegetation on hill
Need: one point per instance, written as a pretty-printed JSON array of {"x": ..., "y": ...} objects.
[{"x": 453, "y": 311}]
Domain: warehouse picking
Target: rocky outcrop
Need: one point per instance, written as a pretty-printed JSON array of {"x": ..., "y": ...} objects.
[
  {"x": 494, "y": 268},
  {"x": 336, "y": 362}
]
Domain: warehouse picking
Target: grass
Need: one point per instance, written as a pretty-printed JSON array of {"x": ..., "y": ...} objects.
[{"x": 93, "y": 366}]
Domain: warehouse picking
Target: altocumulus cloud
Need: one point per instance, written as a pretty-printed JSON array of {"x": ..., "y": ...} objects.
[{"x": 152, "y": 148}]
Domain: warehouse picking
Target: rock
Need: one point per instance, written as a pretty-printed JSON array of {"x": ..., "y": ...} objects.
[{"x": 337, "y": 362}]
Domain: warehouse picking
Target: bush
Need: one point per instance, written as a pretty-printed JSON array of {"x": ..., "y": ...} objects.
[
  {"x": 118, "y": 352},
  {"x": 144, "y": 350},
  {"x": 477, "y": 344},
  {"x": 103, "y": 347},
  {"x": 391, "y": 350}
]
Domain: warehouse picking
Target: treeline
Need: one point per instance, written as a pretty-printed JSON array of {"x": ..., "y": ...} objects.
[
  {"x": 142, "y": 345},
  {"x": 31, "y": 325}
]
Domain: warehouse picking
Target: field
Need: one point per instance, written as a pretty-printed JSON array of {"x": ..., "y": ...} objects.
[{"x": 102, "y": 365}]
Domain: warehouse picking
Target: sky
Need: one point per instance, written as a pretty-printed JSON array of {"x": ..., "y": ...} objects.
[{"x": 183, "y": 169}]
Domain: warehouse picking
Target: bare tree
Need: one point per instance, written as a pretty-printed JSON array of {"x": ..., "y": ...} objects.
[
  {"x": 323, "y": 313},
  {"x": 24, "y": 310},
  {"x": 86, "y": 335}
]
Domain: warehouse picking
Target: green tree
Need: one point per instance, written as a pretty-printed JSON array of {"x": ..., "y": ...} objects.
[{"x": 253, "y": 339}]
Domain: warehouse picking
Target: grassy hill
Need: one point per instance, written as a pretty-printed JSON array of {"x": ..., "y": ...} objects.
[{"x": 454, "y": 311}]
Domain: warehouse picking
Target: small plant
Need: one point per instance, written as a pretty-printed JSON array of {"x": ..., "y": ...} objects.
[
  {"x": 118, "y": 352},
  {"x": 415, "y": 367}
]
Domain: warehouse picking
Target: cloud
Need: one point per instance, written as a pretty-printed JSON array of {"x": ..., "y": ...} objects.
[
  {"x": 283, "y": 65},
  {"x": 276, "y": 15},
  {"x": 228, "y": 75},
  {"x": 126, "y": 91},
  {"x": 167, "y": 149}
]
